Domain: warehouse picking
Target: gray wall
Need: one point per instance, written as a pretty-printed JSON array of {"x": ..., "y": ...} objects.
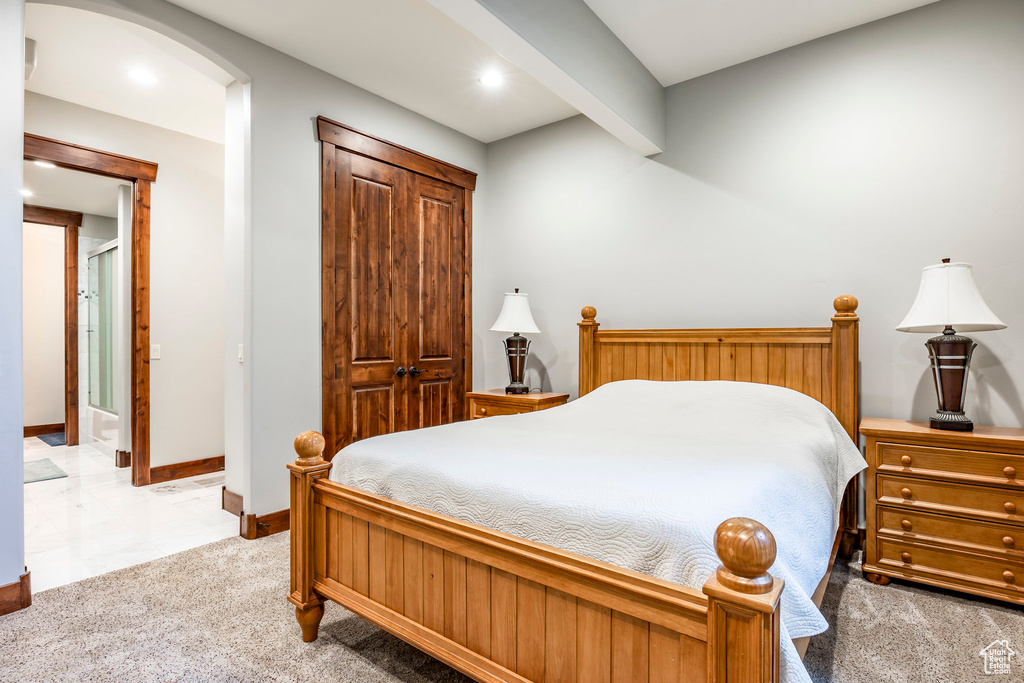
[
  {"x": 285, "y": 242},
  {"x": 842, "y": 166},
  {"x": 102, "y": 227},
  {"x": 12, "y": 142},
  {"x": 186, "y": 269},
  {"x": 237, "y": 292},
  {"x": 280, "y": 322}
]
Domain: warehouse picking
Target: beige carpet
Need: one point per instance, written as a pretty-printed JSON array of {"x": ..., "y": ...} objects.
[
  {"x": 906, "y": 633},
  {"x": 183, "y": 618}
]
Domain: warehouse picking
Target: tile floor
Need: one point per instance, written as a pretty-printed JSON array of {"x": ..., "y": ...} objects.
[{"x": 94, "y": 521}]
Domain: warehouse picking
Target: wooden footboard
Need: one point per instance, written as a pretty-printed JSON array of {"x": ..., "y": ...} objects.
[{"x": 500, "y": 608}]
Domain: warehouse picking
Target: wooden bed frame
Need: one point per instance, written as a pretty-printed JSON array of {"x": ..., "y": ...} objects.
[{"x": 501, "y": 608}]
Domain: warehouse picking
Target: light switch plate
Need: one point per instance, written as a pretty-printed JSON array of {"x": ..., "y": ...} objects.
[
  {"x": 240, "y": 354},
  {"x": 154, "y": 352}
]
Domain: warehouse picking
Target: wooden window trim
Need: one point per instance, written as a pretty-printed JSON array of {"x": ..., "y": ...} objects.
[{"x": 141, "y": 174}]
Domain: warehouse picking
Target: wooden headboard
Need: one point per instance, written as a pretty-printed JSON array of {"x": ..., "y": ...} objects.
[{"x": 818, "y": 361}]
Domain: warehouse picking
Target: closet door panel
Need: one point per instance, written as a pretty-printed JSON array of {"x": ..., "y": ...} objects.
[
  {"x": 370, "y": 285},
  {"x": 372, "y": 411},
  {"x": 394, "y": 272},
  {"x": 437, "y": 392},
  {"x": 436, "y": 288},
  {"x": 372, "y": 271}
]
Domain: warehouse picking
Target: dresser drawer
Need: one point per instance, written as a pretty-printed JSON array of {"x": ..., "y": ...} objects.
[
  {"x": 994, "y": 468},
  {"x": 914, "y": 525},
  {"x": 489, "y": 409},
  {"x": 998, "y": 504},
  {"x": 1003, "y": 575}
]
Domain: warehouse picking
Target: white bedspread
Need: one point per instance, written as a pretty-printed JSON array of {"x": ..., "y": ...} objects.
[{"x": 639, "y": 474}]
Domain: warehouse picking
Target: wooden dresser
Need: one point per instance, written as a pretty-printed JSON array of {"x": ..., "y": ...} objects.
[
  {"x": 946, "y": 508},
  {"x": 496, "y": 402}
]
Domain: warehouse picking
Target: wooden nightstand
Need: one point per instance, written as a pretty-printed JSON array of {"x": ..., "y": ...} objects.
[
  {"x": 946, "y": 508},
  {"x": 496, "y": 402}
]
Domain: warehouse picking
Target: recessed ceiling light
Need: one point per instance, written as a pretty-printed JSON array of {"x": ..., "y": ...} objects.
[
  {"x": 26, "y": 192},
  {"x": 492, "y": 79},
  {"x": 44, "y": 164},
  {"x": 141, "y": 74}
]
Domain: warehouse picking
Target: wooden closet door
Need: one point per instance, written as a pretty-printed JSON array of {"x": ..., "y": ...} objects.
[
  {"x": 373, "y": 267},
  {"x": 437, "y": 393},
  {"x": 396, "y": 321}
]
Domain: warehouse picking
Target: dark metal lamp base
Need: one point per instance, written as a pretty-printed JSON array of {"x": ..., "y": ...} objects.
[
  {"x": 517, "y": 347},
  {"x": 954, "y": 422},
  {"x": 951, "y": 361}
]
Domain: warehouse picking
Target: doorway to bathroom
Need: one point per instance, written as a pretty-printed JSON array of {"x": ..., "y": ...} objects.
[{"x": 103, "y": 369}]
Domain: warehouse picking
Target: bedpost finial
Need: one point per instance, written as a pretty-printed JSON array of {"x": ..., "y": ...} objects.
[
  {"x": 310, "y": 448},
  {"x": 588, "y": 313},
  {"x": 846, "y": 306},
  {"x": 747, "y": 551}
]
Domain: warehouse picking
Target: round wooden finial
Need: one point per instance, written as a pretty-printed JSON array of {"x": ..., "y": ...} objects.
[
  {"x": 589, "y": 313},
  {"x": 846, "y": 306},
  {"x": 310, "y": 447},
  {"x": 747, "y": 550}
]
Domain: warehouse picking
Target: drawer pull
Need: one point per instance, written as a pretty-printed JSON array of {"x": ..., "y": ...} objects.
[
  {"x": 907, "y": 526},
  {"x": 483, "y": 411},
  {"x": 1008, "y": 541},
  {"x": 905, "y": 556},
  {"x": 907, "y": 494},
  {"x": 1010, "y": 472},
  {"x": 1008, "y": 576},
  {"x": 1010, "y": 508},
  {"x": 906, "y": 460}
]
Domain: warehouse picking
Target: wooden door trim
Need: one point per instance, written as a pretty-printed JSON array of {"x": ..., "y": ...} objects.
[
  {"x": 70, "y": 222},
  {"x": 141, "y": 174},
  {"x": 352, "y": 140},
  {"x": 467, "y": 300},
  {"x": 328, "y": 276},
  {"x": 334, "y": 136},
  {"x": 44, "y": 215},
  {"x": 79, "y": 158},
  {"x": 140, "y": 333}
]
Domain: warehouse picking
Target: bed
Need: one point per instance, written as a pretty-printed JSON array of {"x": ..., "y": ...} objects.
[{"x": 499, "y": 607}]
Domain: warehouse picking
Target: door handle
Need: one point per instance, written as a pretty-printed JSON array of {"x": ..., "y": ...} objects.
[
  {"x": 414, "y": 371},
  {"x": 400, "y": 371}
]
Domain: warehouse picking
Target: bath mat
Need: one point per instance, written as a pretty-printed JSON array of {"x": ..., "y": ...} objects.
[
  {"x": 55, "y": 439},
  {"x": 41, "y": 470}
]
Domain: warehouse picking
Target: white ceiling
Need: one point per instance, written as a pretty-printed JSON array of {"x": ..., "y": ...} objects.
[
  {"x": 85, "y": 58},
  {"x": 681, "y": 39},
  {"x": 408, "y": 52},
  {"x": 403, "y": 50},
  {"x": 61, "y": 188}
]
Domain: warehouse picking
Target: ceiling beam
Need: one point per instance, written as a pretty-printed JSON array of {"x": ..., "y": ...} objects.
[{"x": 563, "y": 45}]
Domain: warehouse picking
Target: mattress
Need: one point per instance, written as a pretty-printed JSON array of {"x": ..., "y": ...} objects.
[{"x": 640, "y": 474}]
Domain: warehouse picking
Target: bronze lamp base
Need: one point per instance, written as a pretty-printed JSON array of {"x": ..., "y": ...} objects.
[
  {"x": 517, "y": 347},
  {"x": 951, "y": 361}
]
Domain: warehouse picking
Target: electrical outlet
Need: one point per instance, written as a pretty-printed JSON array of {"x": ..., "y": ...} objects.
[
  {"x": 154, "y": 352},
  {"x": 240, "y": 355}
]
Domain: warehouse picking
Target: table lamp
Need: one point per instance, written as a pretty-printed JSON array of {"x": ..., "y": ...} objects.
[
  {"x": 515, "y": 317},
  {"x": 948, "y": 298}
]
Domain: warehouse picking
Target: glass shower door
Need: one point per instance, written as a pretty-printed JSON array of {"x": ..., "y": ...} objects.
[{"x": 104, "y": 368}]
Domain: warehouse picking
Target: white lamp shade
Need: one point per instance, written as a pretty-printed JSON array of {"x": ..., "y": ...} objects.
[
  {"x": 948, "y": 297},
  {"x": 515, "y": 315}
]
